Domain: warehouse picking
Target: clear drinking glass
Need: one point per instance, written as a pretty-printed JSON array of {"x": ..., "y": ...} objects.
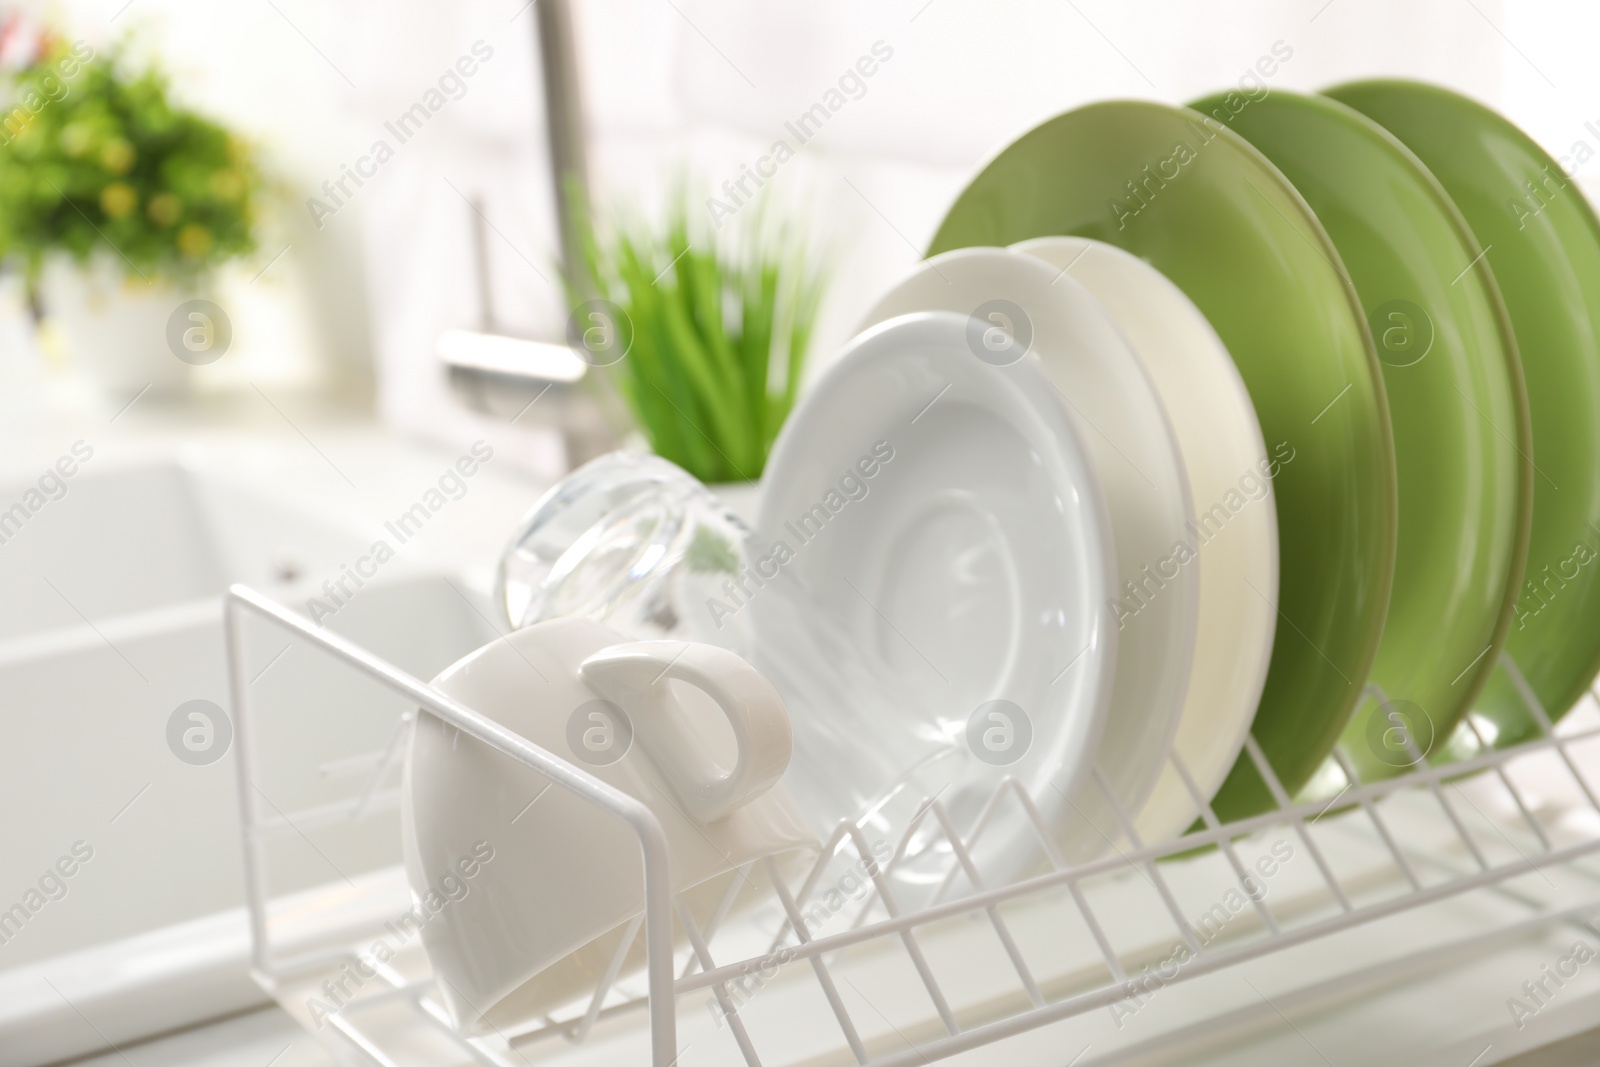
[{"x": 635, "y": 542}]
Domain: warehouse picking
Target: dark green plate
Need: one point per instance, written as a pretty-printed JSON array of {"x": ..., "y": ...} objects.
[
  {"x": 1544, "y": 246},
  {"x": 1456, "y": 405},
  {"x": 1216, "y": 217}
]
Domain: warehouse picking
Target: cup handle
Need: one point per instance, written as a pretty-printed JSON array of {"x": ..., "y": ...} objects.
[{"x": 635, "y": 676}]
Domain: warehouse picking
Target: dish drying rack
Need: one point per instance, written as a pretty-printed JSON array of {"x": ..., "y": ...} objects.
[{"x": 1377, "y": 851}]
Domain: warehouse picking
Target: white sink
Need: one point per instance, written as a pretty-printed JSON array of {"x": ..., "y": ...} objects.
[
  {"x": 139, "y": 538},
  {"x": 111, "y": 620}
]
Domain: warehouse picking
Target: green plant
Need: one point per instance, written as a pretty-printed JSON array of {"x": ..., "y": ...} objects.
[
  {"x": 717, "y": 332},
  {"x": 96, "y": 159}
]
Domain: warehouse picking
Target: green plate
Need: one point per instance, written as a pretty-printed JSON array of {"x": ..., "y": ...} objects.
[
  {"x": 1544, "y": 247},
  {"x": 1216, "y": 217},
  {"x": 1456, "y": 405}
]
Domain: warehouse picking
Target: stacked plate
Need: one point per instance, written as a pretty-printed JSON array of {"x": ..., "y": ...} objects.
[{"x": 1206, "y": 441}]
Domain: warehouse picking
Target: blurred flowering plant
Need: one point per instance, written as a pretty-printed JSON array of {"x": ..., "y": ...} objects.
[{"x": 95, "y": 159}]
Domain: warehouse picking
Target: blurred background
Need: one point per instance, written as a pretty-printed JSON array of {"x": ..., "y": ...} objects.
[{"x": 349, "y": 304}]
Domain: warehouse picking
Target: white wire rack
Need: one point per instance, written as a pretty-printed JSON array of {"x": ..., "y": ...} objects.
[{"x": 1377, "y": 850}]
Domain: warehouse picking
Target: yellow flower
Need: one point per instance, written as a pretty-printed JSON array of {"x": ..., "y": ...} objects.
[
  {"x": 226, "y": 184},
  {"x": 118, "y": 200},
  {"x": 117, "y": 156},
  {"x": 194, "y": 240},
  {"x": 164, "y": 209}
]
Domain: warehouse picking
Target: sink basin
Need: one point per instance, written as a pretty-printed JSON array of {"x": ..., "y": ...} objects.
[
  {"x": 145, "y": 537},
  {"x": 112, "y": 621}
]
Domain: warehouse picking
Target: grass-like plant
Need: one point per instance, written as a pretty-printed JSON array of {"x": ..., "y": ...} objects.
[
  {"x": 719, "y": 330},
  {"x": 96, "y": 160}
]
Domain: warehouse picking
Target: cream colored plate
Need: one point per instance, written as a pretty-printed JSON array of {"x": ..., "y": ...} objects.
[{"x": 1235, "y": 531}]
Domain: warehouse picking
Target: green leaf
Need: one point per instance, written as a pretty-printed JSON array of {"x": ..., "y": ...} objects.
[{"x": 720, "y": 332}]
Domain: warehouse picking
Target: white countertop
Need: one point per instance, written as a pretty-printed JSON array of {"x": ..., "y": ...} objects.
[{"x": 1460, "y": 1005}]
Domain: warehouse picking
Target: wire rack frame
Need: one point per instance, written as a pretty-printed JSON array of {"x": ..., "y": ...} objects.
[{"x": 797, "y": 945}]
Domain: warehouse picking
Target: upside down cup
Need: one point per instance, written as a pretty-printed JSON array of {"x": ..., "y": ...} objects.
[{"x": 528, "y": 891}]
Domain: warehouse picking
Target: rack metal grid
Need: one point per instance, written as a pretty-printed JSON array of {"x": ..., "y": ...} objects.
[{"x": 1414, "y": 870}]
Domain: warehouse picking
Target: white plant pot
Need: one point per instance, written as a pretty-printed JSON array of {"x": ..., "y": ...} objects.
[{"x": 114, "y": 330}]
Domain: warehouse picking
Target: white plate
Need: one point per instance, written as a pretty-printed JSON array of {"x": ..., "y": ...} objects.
[
  {"x": 944, "y": 535},
  {"x": 1135, "y": 455},
  {"x": 1229, "y": 469}
]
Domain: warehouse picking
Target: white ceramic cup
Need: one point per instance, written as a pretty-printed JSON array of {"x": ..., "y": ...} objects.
[{"x": 526, "y": 891}]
